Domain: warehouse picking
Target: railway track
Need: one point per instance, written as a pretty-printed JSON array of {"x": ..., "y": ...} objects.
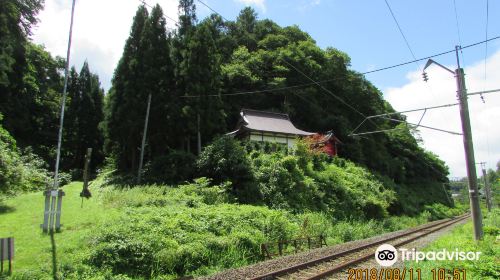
[{"x": 334, "y": 263}]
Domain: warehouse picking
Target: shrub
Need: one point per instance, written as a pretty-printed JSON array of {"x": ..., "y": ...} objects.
[
  {"x": 151, "y": 241},
  {"x": 439, "y": 211},
  {"x": 175, "y": 167},
  {"x": 19, "y": 171},
  {"x": 225, "y": 160}
]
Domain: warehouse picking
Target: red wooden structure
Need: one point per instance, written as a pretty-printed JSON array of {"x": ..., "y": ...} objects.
[{"x": 326, "y": 143}]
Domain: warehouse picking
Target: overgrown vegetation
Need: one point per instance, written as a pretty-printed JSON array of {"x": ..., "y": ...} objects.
[
  {"x": 19, "y": 170},
  {"x": 247, "y": 194},
  {"x": 162, "y": 232},
  {"x": 488, "y": 265},
  {"x": 301, "y": 180}
]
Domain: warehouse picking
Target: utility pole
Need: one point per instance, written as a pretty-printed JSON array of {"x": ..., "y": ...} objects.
[
  {"x": 469, "y": 151},
  {"x": 468, "y": 144},
  {"x": 486, "y": 186},
  {"x": 53, "y": 196},
  {"x": 198, "y": 133},
  {"x": 139, "y": 172}
]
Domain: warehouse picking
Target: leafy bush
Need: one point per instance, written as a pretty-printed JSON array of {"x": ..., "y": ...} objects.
[
  {"x": 282, "y": 182},
  {"x": 339, "y": 188},
  {"x": 19, "y": 171},
  {"x": 225, "y": 160},
  {"x": 156, "y": 240},
  {"x": 439, "y": 211},
  {"x": 175, "y": 167}
]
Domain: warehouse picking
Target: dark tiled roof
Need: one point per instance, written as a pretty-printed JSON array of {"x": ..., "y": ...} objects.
[{"x": 269, "y": 122}]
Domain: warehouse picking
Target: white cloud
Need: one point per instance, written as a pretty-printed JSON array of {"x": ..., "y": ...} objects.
[
  {"x": 306, "y": 5},
  {"x": 99, "y": 32},
  {"x": 258, "y": 3},
  {"x": 315, "y": 2},
  {"x": 441, "y": 89}
]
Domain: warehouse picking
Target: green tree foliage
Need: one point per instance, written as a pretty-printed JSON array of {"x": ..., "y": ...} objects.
[
  {"x": 31, "y": 106},
  {"x": 198, "y": 75},
  {"x": 225, "y": 160},
  {"x": 82, "y": 120},
  {"x": 16, "y": 19},
  {"x": 144, "y": 69},
  {"x": 212, "y": 59},
  {"x": 18, "y": 171},
  {"x": 126, "y": 100},
  {"x": 31, "y": 86}
]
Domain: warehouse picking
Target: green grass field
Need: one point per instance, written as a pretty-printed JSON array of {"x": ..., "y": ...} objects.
[
  {"x": 20, "y": 217},
  {"x": 461, "y": 238},
  {"x": 160, "y": 232}
]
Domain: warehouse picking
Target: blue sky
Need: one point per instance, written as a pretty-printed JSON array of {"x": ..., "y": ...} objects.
[{"x": 365, "y": 30}]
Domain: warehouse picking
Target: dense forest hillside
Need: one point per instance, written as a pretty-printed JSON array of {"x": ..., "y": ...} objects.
[
  {"x": 206, "y": 201},
  {"x": 199, "y": 77},
  {"x": 206, "y": 71}
]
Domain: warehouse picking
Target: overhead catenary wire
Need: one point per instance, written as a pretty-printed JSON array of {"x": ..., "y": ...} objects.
[
  {"x": 458, "y": 27},
  {"x": 164, "y": 14},
  {"x": 485, "y": 72},
  {"x": 484, "y": 91},
  {"x": 410, "y": 49},
  {"x": 486, "y": 44},
  {"x": 325, "y": 89},
  {"x": 397, "y": 113},
  {"x": 210, "y": 8},
  {"x": 401, "y": 31},
  {"x": 420, "y": 125}
]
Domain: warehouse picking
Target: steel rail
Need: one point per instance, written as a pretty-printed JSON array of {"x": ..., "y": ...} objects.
[
  {"x": 294, "y": 268},
  {"x": 368, "y": 256}
]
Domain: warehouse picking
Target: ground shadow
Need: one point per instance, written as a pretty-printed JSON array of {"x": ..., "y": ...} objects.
[
  {"x": 5, "y": 208},
  {"x": 54, "y": 255}
]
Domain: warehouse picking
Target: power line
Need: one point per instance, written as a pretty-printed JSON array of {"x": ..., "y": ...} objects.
[
  {"x": 484, "y": 91},
  {"x": 362, "y": 73},
  {"x": 410, "y": 49},
  {"x": 458, "y": 29},
  {"x": 486, "y": 45},
  {"x": 456, "y": 20},
  {"x": 204, "y": 4},
  {"x": 485, "y": 72},
  {"x": 164, "y": 14},
  {"x": 432, "y": 56},
  {"x": 325, "y": 89},
  {"x": 420, "y": 125},
  {"x": 397, "y": 113},
  {"x": 401, "y": 31}
]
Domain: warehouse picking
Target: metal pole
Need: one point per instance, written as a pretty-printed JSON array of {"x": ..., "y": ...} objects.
[
  {"x": 144, "y": 140},
  {"x": 63, "y": 101},
  {"x": 469, "y": 151},
  {"x": 486, "y": 188}
]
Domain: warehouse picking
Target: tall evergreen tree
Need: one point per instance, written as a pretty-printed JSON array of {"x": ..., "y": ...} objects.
[
  {"x": 205, "y": 76},
  {"x": 84, "y": 115},
  {"x": 159, "y": 82},
  {"x": 182, "y": 58},
  {"x": 126, "y": 99},
  {"x": 16, "y": 19}
]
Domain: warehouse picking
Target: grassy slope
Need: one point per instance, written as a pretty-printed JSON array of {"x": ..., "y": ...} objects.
[
  {"x": 113, "y": 211},
  {"x": 488, "y": 266},
  {"x": 21, "y": 217}
]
